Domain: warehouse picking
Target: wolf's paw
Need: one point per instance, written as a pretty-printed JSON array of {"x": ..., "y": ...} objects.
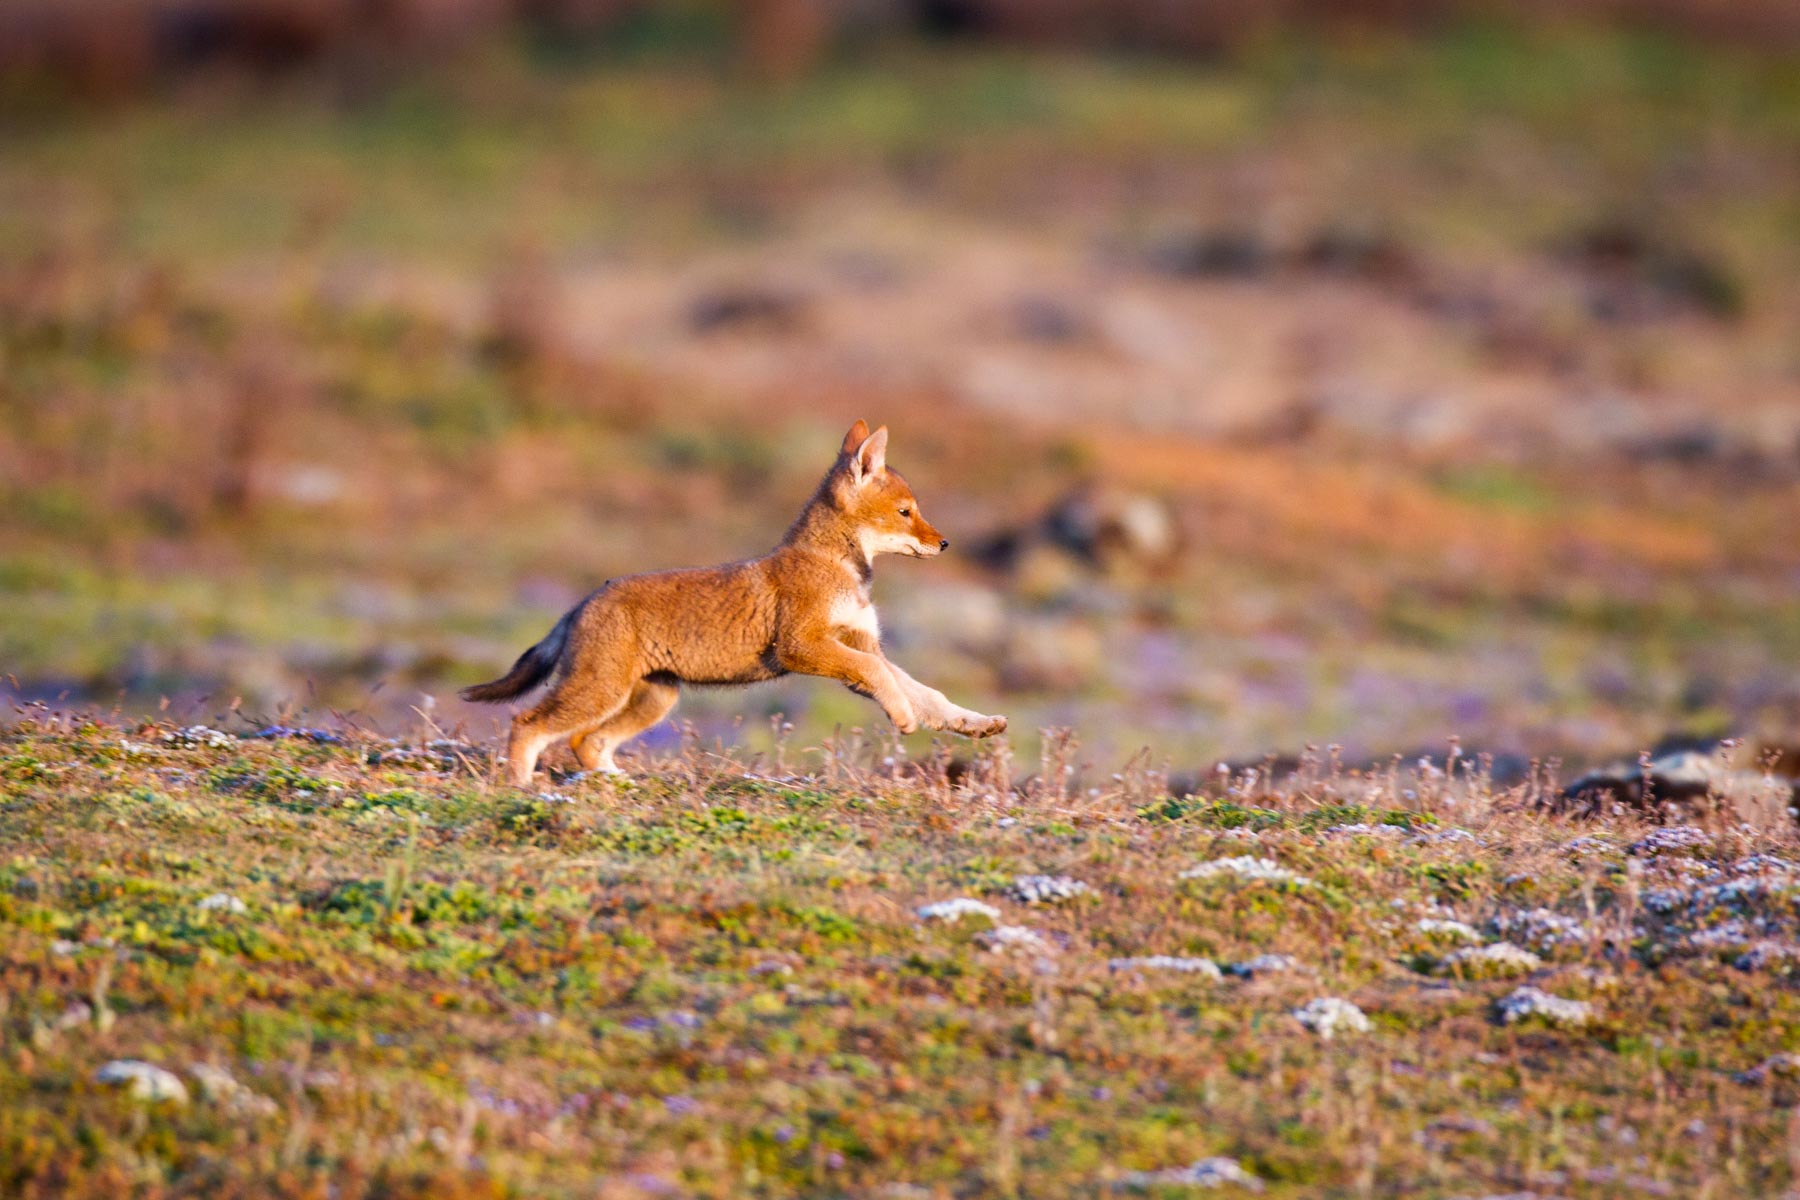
[
  {"x": 905, "y": 719},
  {"x": 976, "y": 725}
]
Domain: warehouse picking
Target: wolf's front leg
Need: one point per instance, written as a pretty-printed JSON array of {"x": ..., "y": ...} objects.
[
  {"x": 937, "y": 712},
  {"x": 870, "y": 674}
]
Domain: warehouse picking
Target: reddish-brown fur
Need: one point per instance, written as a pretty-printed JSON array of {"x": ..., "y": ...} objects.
[{"x": 616, "y": 660}]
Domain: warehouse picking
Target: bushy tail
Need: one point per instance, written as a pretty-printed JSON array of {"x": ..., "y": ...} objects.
[{"x": 534, "y": 666}]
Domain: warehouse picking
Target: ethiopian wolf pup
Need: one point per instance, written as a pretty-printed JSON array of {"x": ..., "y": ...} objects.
[{"x": 617, "y": 660}]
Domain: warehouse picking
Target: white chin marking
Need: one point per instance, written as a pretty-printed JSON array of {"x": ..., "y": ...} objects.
[{"x": 874, "y": 543}]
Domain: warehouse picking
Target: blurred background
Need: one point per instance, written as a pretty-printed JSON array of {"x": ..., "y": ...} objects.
[{"x": 1283, "y": 371}]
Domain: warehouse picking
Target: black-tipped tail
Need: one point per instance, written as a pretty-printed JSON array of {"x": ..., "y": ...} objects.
[{"x": 534, "y": 666}]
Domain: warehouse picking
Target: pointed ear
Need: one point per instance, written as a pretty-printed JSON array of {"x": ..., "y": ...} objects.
[
  {"x": 870, "y": 459},
  {"x": 859, "y": 433}
]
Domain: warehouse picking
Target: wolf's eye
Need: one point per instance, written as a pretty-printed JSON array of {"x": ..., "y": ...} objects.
[{"x": 906, "y": 512}]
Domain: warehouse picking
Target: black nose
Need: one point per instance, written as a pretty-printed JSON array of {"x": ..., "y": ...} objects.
[{"x": 944, "y": 544}]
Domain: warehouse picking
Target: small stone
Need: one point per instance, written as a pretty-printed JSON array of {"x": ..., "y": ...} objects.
[
  {"x": 1046, "y": 889},
  {"x": 1262, "y": 964},
  {"x": 1327, "y": 1015},
  {"x": 1166, "y": 962},
  {"x": 1247, "y": 867},
  {"x": 956, "y": 909},
  {"x": 1015, "y": 937},
  {"x": 1527, "y": 1002},
  {"x": 1207, "y": 1173},
  {"x": 143, "y": 1081}
]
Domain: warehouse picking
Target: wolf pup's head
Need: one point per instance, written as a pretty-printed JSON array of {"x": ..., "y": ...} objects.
[{"x": 878, "y": 501}]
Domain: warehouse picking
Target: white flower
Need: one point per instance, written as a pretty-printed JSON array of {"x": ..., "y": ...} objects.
[
  {"x": 221, "y": 901},
  {"x": 1045, "y": 889},
  {"x": 1433, "y": 927},
  {"x": 144, "y": 1081},
  {"x": 1265, "y": 870},
  {"x": 1501, "y": 958},
  {"x": 1166, "y": 962},
  {"x": 952, "y": 910},
  {"x": 1207, "y": 1173},
  {"x": 1327, "y": 1015},
  {"x": 1531, "y": 1002},
  {"x": 1015, "y": 937}
]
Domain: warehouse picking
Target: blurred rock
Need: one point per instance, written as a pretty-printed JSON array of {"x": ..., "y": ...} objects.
[
  {"x": 1104, "y": 524},
  {"x": 1359, "y": 252},
  {"x": 1634, "y": 273},
  {"x": 1098, "y": 527},
  {"x": 143, "y": 1081},
  {"x": 1679, "y": 778},
  {"x": 1212, "y": 254},
  {"x": 749, "y": 307},
  {"x": 1049, "y": 320}
]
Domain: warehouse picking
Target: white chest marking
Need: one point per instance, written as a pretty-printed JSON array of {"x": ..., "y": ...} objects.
[{"x": 853, "y": 612}]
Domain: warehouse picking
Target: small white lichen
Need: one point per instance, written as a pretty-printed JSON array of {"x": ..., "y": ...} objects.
[
  {"x": 1328, "y": 1015},
  {"x": 1540, "y": 928},
  {"x": 1672, "y": 838},
  {"x": 1015, "y": 937},
  {"x": 1767, "y": 954},
  {"x": 1167, "y": 962},
  {"x": 1787, "y": 1064},
  {"x": 956, "y": 909},
  {"x": 199, "y": 735},
  {"x": 1431, "y": 837},
  {"x": 143, "y": 1081},
  {"x": 222, "y": 902},
  {"x": 1262, "y": 964},
  {"x": 1207, "y": 1173},
  {"x": 1365, "y": 830},
  {"x": 220, "y": 1087},
  {"x": 1528, "y": 1002},
  {"x": 1501, "y": 958},
  {"x": 1436, "y": 927},
  {"x": 1729, "y": 935},
  {"x": 1244, "y": 866},
  {"x": 1045, "y": 889}
]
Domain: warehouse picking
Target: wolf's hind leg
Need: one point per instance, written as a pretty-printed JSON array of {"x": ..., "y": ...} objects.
[
  {"x": 575, "y": 704},
  {"x": 649, "y": 703}
]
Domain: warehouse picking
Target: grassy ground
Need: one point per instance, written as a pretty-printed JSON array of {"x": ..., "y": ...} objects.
[{"x": 407, "y": 980}]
